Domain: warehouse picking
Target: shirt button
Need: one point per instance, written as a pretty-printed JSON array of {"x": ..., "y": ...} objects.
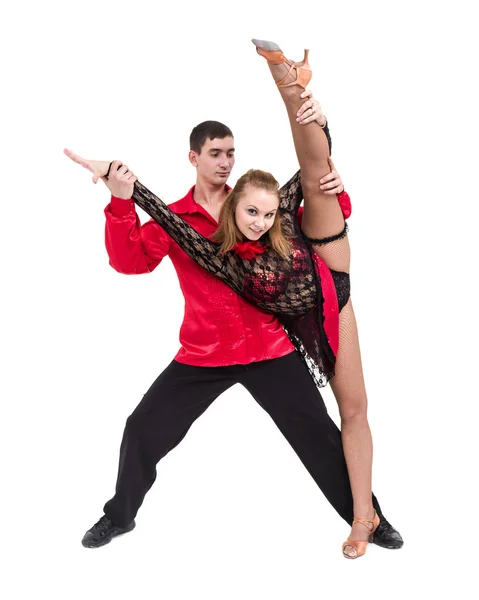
[{"x": 237, "y": 316}]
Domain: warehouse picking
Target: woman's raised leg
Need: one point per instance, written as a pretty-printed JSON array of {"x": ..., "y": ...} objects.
[{"x": 323, "y": 218}]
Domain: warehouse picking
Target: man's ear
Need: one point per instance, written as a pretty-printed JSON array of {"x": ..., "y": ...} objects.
[{"x": 192, "y": 155}]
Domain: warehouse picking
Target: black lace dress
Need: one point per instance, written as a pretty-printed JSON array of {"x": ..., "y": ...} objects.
[{"x": 301, "y": 291}]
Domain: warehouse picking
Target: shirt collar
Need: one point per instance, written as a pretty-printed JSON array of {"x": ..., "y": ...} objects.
[{"x": 188, "y": 206}]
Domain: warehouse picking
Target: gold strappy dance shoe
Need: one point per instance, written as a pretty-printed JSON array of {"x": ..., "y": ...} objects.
[
  {"x": 360, "y": 545},
  {"x": 273, "y": 54}
]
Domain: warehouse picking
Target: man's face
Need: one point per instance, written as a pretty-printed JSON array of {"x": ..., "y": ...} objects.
[{"x": 215, "y": 161}]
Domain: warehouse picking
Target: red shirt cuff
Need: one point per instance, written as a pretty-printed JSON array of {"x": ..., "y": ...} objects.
[{"x": 120, "y": 207}]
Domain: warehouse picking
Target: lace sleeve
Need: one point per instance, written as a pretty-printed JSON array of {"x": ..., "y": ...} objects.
[
  {"x": 291, "y": 194},
  {"x": 276, "y": 284},
  {"x": 290, "y": 198},
  {"x": 202, "y": 250}
]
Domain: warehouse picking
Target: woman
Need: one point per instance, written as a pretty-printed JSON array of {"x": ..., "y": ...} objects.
[
  {"x": 327, "y": 234},
  {"x": 277, "y": 270}
]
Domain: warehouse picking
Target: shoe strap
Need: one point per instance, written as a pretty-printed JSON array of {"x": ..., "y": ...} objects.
[
  {"x": 295, "y": 82},
  {"x": 281, "y": 83},
  {"x": 366, "y": 521},
  {"x": 275, "y": 57}
]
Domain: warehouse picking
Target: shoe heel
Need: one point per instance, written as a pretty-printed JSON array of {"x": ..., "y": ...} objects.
[
  {"x": 304, "y": 62},
  {"x": 273, "y": 54},
  {"x": 303, "y": 71}
]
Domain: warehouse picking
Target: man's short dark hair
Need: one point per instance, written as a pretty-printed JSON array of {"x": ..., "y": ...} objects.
[{"x": 208, "y": 130}]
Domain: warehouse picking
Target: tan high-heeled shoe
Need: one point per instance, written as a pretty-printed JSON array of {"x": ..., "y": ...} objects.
[
  {"x": 273, "y": 54},
  {"x": 360, "y": 545}
]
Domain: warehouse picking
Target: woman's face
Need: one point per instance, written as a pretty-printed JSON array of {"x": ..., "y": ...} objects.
[{"x": 256, "y": 211}]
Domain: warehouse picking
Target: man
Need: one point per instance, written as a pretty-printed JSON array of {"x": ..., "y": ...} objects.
[{"x": 224, "y": 340}]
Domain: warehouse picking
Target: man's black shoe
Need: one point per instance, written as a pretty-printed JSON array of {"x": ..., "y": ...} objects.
[
  {"x": 103, "y": 532},
  {"x": 386, "y": 536}
]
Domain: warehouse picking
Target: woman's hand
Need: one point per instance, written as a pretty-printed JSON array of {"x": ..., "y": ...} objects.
[
  {"x": 310, "y": 110},
  {"x": 332, "y": 182},
  {"x": 119, "y": 181},
  {"x": 99, "y": 168}
]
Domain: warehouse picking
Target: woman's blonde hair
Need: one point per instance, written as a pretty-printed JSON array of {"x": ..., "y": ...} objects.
[{"x": 228, "y": 233}]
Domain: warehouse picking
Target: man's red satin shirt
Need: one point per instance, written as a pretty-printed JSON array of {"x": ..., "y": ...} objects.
[{"x": 219, "y": 327}]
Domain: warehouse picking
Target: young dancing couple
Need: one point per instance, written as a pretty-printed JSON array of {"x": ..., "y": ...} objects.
[{"x": 277, "y": 316}]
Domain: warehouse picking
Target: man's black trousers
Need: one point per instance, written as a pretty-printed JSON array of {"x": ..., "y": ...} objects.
[{"x": 282, "y": 386}]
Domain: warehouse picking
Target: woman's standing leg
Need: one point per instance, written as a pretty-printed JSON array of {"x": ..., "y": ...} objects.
[{"x": 323, "y": 218}]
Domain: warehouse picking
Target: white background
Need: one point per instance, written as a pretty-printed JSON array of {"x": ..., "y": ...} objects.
[{"x": 234, "y": 514}]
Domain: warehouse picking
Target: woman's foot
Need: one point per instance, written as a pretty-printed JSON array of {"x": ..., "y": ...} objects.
[
  {"x": 362, "y": 532},
  {"x": 286, "y": 73}
]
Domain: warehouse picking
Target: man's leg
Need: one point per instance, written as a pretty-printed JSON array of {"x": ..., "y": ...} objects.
[
  {"x": 175, "y": 400},
  {"x": 158, "y": 424},
  {"x": 287, "y": 392}
]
